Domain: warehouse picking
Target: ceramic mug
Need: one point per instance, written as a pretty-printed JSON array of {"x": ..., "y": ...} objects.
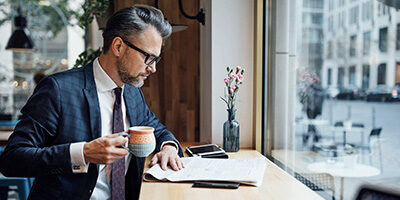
[{"x": 141, "y": 140}]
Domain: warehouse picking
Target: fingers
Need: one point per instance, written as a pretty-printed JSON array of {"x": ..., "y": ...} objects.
[
  {"x": 117, "y": 151},
  {"x": 173, "y": 164},
  {"x": 117, "y": 141},
  {"x": 154, "y": 160},
  {"x": 164, "y": 161},
  {"x": 179, "y": 163}
]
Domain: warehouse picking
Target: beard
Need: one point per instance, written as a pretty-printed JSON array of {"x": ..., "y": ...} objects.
[{"x": 128, "y": 79}]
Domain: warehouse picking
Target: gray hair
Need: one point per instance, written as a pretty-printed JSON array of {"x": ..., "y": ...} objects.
[{"x": 134, "y": 20}]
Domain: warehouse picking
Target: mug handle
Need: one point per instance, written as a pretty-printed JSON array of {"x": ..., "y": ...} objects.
[{"x": 124, "y": 134}]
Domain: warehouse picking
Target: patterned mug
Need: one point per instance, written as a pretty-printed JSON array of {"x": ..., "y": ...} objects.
[{"x": 141, "y": 140}]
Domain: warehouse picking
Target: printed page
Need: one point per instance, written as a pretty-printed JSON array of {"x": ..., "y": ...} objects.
[{"x": 246, "y": 171}]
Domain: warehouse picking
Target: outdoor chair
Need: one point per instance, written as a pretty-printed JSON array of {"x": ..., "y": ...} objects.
[
  {"x": 317, "y": 181},
  {"x": 339, "y": 124},
  {"x": 22, "y": 184},
  {"x": 375, "y": 133}
]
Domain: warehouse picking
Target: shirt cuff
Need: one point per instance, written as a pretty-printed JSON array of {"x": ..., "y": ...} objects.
[
  {"x": 77, "y": 158},
  {"x": 169, "y": 142}
]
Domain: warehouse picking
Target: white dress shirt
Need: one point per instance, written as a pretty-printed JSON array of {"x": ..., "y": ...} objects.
[{"x": 106, "y": 96}]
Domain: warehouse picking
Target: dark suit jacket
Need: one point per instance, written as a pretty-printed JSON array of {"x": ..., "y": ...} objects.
[{"x": 63, "y": 109}]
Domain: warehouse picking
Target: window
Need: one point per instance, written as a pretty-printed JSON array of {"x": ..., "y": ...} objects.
[
  {"x": 316, "y": 18},
  {"x": 383, "y": 39},
  {"x": 340, "y": 80},
  {"x": 332, "y": 88},
  {"x": 398, "y": 37},
  {"x": 366, "y": 11},
  {"x": 330, "y": 76},
  {"x": 381, "y": 74},
  {"x": 329, "y": 50},
  {"x": 341, "y": 19},
  {"x": 341, "y": 51},
  {"x": 365, "y": 77},
  {"x": 49, "y": 35},
  {"x": 330, "y": 5},
  {"x": 352, "y": 75},
  {"x": 353, "y": 45},
  {"x": 313, "y": 3},
  {"x": 330, "y": 23},
  {"x": 382, "y": 9},
  {"x": 353, "y": 15},
  {"x": 366, "y": 42},
  {"x": 341, "y": 3}
]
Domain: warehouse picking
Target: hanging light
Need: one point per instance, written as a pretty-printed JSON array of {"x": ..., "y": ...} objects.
[{"x": 20, "y": 40}]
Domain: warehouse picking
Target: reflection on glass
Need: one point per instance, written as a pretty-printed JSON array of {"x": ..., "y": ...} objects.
[{"x": 347, "y": 100}]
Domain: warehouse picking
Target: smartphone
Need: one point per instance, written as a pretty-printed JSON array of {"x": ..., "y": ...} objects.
[
  {"x": 224, "y": 185},
  {"x": 206, "y": 149}
]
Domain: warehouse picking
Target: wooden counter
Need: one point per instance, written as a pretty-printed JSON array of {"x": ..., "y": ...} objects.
[
  {"x": 277, "y": 184},
  {"x": 4, "y": 135}
]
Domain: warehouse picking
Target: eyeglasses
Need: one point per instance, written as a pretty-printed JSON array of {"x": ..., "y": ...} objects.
[{"x": 150, "y": 58}]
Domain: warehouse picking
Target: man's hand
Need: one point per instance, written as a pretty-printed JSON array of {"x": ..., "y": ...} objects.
[
  {"x": 105, "y": 150},
  {"x": 169, "y": 156}
]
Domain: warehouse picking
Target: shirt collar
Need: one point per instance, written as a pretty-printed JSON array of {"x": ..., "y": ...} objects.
[{"x": 103, "y": 82}]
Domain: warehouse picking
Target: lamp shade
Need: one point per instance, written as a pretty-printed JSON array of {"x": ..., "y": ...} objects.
[
  {"x": 178, "y": 27},
  {"x": 20, "y": 40}
]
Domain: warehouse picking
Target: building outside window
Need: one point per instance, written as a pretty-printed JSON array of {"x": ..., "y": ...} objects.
[
  {"x": 366, "y": 42},
  {"x": 329, "y": 76},
  {"x": 313, "y": 139},
  {"x": 382, "y": 74},
  {"x": 353, "y": 15},
  {"x": 329, "y": 53},
  {"x": 342, "y": 3},
  {"x": 352, "y": 75},
  {"x": 365, "y": 77},
  {"x": 341, "y": 19},
  {"x": 398, "y": 37},
  {"x": 313, "y": 4},
  {"x": 331, "y": 5},
  {"x": 340, "y": 77},
  {"x": 316, "y": 18},
  {"x": 397, "y": 78},
  {"x": 383, "y": 39},
  {"x": 330, "y": 23},
  {"x": 340, "y": 50},
  {"x": 353, "y": 45},
  {"x": 366, "y": 11}
]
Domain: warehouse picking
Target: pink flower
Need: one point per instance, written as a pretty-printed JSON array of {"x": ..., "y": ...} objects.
[
  {"x": 233, "y": 75},
  {"x": 240, "y": 77},
  {"x": 238, "y": 68},
  {"x": 226, "y": 80},
  {"x": 232, "y": 89}
]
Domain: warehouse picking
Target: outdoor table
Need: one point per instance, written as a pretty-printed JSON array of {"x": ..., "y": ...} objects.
[{"x": 339, "y": 170}]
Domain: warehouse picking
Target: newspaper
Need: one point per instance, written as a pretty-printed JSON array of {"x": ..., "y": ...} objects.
[{"x": 245, "y": 171}]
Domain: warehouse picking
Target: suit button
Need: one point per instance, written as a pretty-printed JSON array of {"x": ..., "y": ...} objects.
[{"x": 90, "y": 191}]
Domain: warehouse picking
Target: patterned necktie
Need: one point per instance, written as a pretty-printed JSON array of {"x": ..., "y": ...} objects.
[{"x": 118, "y": 167}]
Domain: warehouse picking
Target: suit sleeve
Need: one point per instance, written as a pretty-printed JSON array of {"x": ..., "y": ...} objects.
[
  {"x": 30, "y": 151},
  {"x": 160, "y": 131}
]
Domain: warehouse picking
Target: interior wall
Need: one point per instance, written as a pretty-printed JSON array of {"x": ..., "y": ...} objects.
[
  {"x": 172, "y": 93},
  {"x": 232, "y": 44}
]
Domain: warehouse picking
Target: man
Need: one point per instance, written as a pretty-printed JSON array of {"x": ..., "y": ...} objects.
[{"x": 65, "y": 138}]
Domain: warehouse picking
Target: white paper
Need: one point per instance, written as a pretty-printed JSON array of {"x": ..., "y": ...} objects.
[{"x": 246, "y": 171}]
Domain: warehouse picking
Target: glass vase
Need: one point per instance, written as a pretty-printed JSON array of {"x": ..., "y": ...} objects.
[{"x": 231, "y": 133}]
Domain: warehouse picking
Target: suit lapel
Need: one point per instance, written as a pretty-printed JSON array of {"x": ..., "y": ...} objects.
[
  {"x": 93, "y": 102},
  {"x": 129, "y": 93}
]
